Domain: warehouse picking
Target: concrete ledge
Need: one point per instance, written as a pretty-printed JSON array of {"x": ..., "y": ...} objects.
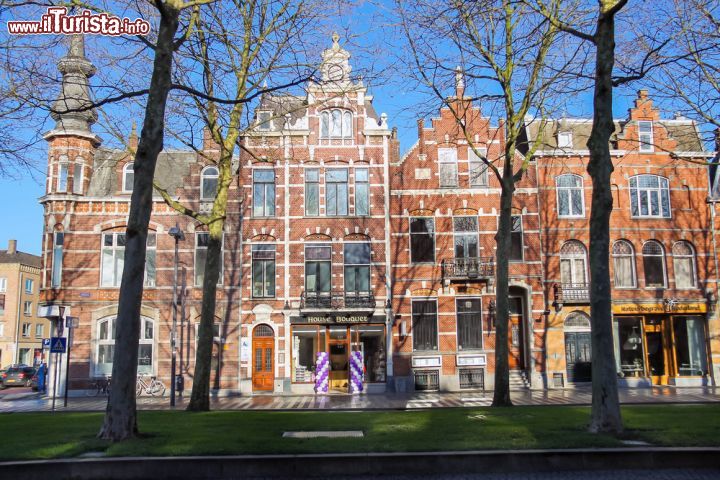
[{"x": 416, "y": 463}]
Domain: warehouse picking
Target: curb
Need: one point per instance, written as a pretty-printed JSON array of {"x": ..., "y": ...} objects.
[{"x": 371, "y": 464}]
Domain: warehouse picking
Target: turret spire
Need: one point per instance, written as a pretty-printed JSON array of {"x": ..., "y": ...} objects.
[{"x": 68, "y": 110}]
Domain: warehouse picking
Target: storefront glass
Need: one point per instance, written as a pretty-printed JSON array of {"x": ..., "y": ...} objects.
[
  {"x": 370, "y": 339},
  {"x": 690, "y": 346},
  {"x": 628, "y": 347},
  {"x": 306, "y": 342}
]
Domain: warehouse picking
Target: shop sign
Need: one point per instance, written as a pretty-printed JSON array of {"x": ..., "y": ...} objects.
[
  {"x": 658, "y": 308},
  {"x": 338, "y": 318}
]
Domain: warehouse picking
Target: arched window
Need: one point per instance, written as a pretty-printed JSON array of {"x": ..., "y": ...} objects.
[
  {"x": 208, "y": 183},
  {"x": 573, "y": 264},
  {"x": 128, "y": 177},
  {"x": 105, "y": 346},
  {"x": 624, "y": 264},
  {"x": 578, "y": 321},
  {"x": 570, "y": 198},
  {"x": 336, "y": 123},
  {"x": 649, "y": 196},
  {"x": 684, "y": 264},
  {"x": 654, "y": 264}
]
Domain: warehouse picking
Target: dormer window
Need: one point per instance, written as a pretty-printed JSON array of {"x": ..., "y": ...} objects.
[
  {"x": 264, "y": 121},
  {"x": 645, "y": 135},
  {"x": 208, "y": 183},
  {"x": 336, "y": 124},
  {"x": 128, "y": 177},
  {"x": 565, "y": 140}
]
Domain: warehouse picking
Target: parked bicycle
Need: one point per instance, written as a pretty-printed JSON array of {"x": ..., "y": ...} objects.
[
  {"x": 154, "y": 387},
  {"x": 99, "y": 386}
]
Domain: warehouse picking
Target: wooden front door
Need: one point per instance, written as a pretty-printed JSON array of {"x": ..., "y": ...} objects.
[
  {"x": 515, "y": 334},
  {"x": 263, "y": 347}
]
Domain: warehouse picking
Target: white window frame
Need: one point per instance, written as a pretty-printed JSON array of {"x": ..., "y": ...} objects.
[
  {"x": 569, "y": 190},
  {"x": 26, "y": 329},
  {"x": 62, "y": 178},
  {"x": 151, "y": 247},
  {"x": 639, "y": 192},
  {"x": 365, "y": 182},
  {"x": 328, "y": 127},
  {"x": 78, "y": 177},
  {"x": 565, "y": 140},
  {"x": 264, "y": 120},
  {"x": 664, "y": 265},
  {"x": 29, "y": 285},
  {"x": 57, "y": 259},
  {"x": 693, "y": 264},
  {"x": 39, "y": 330},
  {"x": 206, "y": 175},
  {"x": 195, "y": 259},
  {"x": 125, "y": 187},
  {"x": 447, "y": 156},
  {"x": 143, "y": 340},
  {"x": 474, "y": 159},
  {"x": 27, "y": 308},
  {"x": 646, "y": 139},
  {"x": 574, "y": 257},
  {"x": 633, "y": 261},
  {"x": 3, "y": 284},
  {"x": 265, "y": 213}
]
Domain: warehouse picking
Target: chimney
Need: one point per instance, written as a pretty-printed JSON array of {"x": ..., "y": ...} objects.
[
  {"x": 133, "y": 138},
  {"x": 421, "y": 135},
  {"x": 12, "y": 247}
]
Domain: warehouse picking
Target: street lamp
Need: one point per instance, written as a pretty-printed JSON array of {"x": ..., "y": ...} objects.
[{"x": 178, "y": 235}]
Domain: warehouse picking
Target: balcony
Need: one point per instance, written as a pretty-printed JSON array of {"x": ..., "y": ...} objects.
[
  {"x": 571, "y": 293},
  {"x": 468, "y": 268},
  {"x": 334, "y": 300}
]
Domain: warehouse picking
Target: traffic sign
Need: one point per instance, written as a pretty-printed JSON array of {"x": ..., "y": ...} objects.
[
  {"x": 46, "y": 343},
  {"x": 58, "y": 345}
]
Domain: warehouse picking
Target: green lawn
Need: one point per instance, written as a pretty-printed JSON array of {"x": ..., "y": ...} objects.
[{"x": 41, "y": 435}]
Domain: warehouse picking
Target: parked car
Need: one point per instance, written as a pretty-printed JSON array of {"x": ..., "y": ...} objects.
[{"x": 17, "y": 377}]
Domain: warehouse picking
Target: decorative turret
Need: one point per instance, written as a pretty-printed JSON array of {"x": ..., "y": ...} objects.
[
  {"x": 335, "y": 67},
  {"x": 75, "y": 93}
]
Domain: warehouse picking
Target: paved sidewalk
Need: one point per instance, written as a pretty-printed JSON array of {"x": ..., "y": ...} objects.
[{"x": 386, "y": 401}]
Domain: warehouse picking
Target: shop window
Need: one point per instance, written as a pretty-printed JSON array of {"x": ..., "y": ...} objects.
[
  {"x": 628, "y": 347},
  {"x": 472, "y": 378},
  {"x": 447, "y": 161},
  {"x": 370, "y": 340},
  {"x": 317, "y": 270},
  {"x": 654, "y": 264},
  {"x": 202, "y": 240},
  {"x": 427, "y": 380},
  {"x": 469, "y": 323},
  {"x": 307, "y": 341},
  {"x": 209, "y": 183},
  {"x": 113, "y": 259},
  {"x": 362, "y": 192},
  {"x": 263, "y": 193},
  {"x": 690, "y": 346},
  {"x": 684, "y": 265},
  {"x": 624, "y": 264},
  {"x": 336, "y": 192},
  {"x": 105, "y": 346},
  {"x": 422, "y": 240},
  {"x": 424, "y": 325},
  {"x": 24, "y": 356},
  {"x": 128, "y": 177},
  {"x": 570, "y": 198},
  {"x": 466, "y": 237},
  {"x": 516, "y": 239},
  {"x": 649, "y": 196},
  {"x": 263, "y": 271},
  {"x": 312, "y": 192},
  {"x": 57, "y": 259}
]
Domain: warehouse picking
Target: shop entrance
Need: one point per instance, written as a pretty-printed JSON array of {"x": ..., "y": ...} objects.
[
  {"x": 338, "y": 348},
  {"x": 657, "y": 360},
  {"x": 263, "y": 377}
]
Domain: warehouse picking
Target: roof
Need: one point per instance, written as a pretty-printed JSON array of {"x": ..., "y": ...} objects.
[
  {"x": 21, "y": 258},
  {"x": 683, "y": 131},
  {"x": 281, "y": 105}
]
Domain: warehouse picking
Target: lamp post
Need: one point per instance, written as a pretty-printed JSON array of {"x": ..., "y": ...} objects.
[{"x": 178, "y": 235}]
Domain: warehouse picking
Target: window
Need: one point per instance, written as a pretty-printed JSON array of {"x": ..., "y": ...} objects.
[
  {"x": 202, "y": 240},
  {"x": 424, "y": 325},
  {"x": 24, "y": 356},
  {"x": 362, "y": 192},
  {"x": 3, "y": 284},
  {"x": 690, "y": 346},
  {"x": 516, "y": 238},
  {"x": 649, "y": 196},
  {"x": 466, "y": 237},
  {"x": 264, "y": 120},
  {"x": 27, "y": 308},
  {"x": 336, "y": 124},
  {"x": 263, "y": 193},
  {"x": 628, "y": 347},
  {"x": 478, "y": 168},
  {"x": 447, "y": 160},
  {"x": 336, "y": 192},
  {"x": 624, "y": 264},
  {"x": 263, "y": 271},
  {"x": 39, "y": 330},
  {"x": 570, "y": 198},
  {"x": 106, "y": 346},
  {"x": 357, "y": 268},
  {"x": 113, "y": 259},
  {"x": 26, "y": 329},
  {"x": 307, "y": 341},
  {"x": 128, "y": 177},
  {"x": 565, "y": 140},
  {"x": 29, "y": 284},
  {"x": 312, "y": 192},
  {"x": 645, "y": 135},
  {"x": 469, "y": 323},
  {"x": 57, "y": 259},
  {"x": 317, "y": 269},
  {"x": 654, "y": 264},
  {"x": 62, "y": 178},
  {"x": 208, "y": 183},
  {"x": 2, "y": 329},
  {"x": 422, "y": 240},
  {"x": 684, "y": 265},
  {"x": 78, "y": 178},
  {"x": 2, "y": 303},
  {"x": 573, "y": 263}
]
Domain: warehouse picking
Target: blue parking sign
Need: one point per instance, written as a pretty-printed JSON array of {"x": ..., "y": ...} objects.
[
  {"x": 46, "y": 343},
  {"x": 58, "y": 345}
]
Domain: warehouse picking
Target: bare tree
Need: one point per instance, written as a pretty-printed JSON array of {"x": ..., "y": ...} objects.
[{"x": 505, "y": 51}]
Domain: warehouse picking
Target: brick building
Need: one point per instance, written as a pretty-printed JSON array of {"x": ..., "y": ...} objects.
[{"x": 21, "y": 330}]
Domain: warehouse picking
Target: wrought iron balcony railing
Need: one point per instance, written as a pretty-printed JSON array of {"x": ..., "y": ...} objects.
[
  {"x": 334, "y": 300},
  {"x": 572, "y": 293},
  {"x": 468, "y": 268}
]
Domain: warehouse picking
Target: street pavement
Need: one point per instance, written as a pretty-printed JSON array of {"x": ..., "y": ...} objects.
[
  {"x": 17, "y": 401},
  {"x": 656, "y": 474}
]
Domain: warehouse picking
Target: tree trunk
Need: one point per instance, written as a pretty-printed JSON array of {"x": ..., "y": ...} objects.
[
  {"x": 120, "y": 420},
  {"x": 605, "y": 415},
  {"x": 501, "y": 394}
]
